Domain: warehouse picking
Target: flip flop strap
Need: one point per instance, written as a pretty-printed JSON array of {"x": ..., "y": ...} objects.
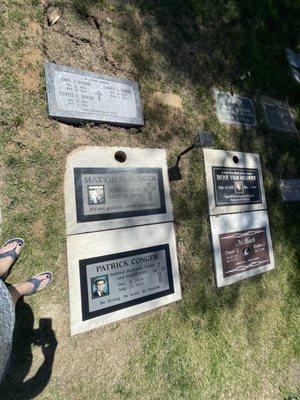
[
  {"x": 10, "y": 253},
  {"x": 36, "y": 283}
]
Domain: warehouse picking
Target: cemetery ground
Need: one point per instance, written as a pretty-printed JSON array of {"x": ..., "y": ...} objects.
[{"x": 238, "y": 342}]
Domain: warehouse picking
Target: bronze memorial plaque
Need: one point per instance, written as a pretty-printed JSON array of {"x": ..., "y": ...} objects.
[{"x": 243, "y": 250}]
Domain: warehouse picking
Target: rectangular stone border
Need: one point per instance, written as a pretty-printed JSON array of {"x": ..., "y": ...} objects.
[
  {"x": 72, "y": 116},
  {"x": 104, "y": 243},
  {"x": 223, "y": 158},
  {"x": 99, "y": 157},
  {"x": 238, "y": 222}
]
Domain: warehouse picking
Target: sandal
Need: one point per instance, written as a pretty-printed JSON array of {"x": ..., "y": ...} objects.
[
  {"x": 12, "y": 253},
  {"x": 36, "y": 282}
]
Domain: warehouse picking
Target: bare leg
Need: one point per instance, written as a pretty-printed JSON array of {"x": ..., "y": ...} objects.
[
  {"x": 6, "y": 262},
  {"x": 24, "y": 288}
]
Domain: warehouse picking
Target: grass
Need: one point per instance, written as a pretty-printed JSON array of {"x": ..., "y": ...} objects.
[{"x": 240, "y": 342}]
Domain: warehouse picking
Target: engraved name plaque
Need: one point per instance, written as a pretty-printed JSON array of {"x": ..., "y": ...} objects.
[
  {"x": 111, "y": 283},
  {"x": 75, "y": 96}
]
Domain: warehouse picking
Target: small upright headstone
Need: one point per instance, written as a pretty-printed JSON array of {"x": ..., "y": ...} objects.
[
  {"x": 278, "y": 115},
  {"x": 234, "y": 109},
  {"x": 294, "y": 63},
  {"x": 77, "y": 96},
  {"x": 290, "y": 189}
]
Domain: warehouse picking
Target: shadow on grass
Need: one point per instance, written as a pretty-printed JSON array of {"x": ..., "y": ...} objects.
[{"x": 14, "y": 385}]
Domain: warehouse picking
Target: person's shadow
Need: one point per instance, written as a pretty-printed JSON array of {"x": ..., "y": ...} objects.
[{"x": 13, "y": 385}]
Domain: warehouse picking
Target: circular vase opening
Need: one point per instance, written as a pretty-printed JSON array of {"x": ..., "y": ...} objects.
[
  {"x": 120, "y": 156},
  {"x": 235, "y": 159}
]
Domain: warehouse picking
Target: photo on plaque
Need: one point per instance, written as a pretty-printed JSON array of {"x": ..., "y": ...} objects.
[
  {"x": 96, "y": 195},
  {"x": 236, "y": 186},
  {"x": 100, "y": 286},
  {"x": 117, "y": 281}
]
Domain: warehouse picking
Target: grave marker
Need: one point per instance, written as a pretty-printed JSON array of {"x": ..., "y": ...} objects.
[
  {"x": 290, "y": 189},
  {"x": 116, "y": 273},
  {"x": 242, "y": 246},
  {"x": 103, "y": 192},
  {"x": 76, "y": 96},
  {"x": 241, "y": 239},
  {"x": 234, "y": 181},
  {"x": 234, "y": 109},
  {"x": 278, "y": 115}
]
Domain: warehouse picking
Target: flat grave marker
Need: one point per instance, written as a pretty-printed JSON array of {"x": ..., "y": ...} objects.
[
  {"x": 109, "y": 188},
  {"x": 234, "y": 109},
  {"x": 242, "y": 246},
  {"x": 278, "y": 115},
  {"x": 234, "y": 181},
  {"x": 120, "y": 273},
  {"x": 290, "y": 189},
  {"x": 76, "y": 96},
  {"x": 294, "y": 62}
]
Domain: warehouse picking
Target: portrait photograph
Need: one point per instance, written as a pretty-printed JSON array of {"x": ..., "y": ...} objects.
[
  {"x": 238, "y": 187},
  {"x": 96, "y": 195},
  {"x": 100, "y": 286}
]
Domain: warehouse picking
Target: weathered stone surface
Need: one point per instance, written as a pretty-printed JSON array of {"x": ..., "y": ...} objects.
[
  {"x": 290, "y": 189},
  {"x": 278, "y": 115},
  {"x": 76, "y": 96}
]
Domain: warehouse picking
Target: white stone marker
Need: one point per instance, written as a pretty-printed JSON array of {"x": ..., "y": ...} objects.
[
  {"x": 242, "y": 246},
  {"x": 112, "y": 187},
  {"x": 234, "y": 182},
  {"x": 136, "y": 270}
]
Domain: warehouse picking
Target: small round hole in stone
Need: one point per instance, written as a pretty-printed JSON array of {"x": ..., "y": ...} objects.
[
  {"x": 120, "y": 156},
  {"x": 235, "y": 159}
]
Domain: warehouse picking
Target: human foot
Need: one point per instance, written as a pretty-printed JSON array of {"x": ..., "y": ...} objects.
[
  {"x": 31, "y": 286},
  {"x": 9, "y": 253}
]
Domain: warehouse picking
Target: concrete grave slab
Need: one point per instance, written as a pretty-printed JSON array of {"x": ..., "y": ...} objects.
[
  {"x": 290, "y": 189},
  {"x": 233, "y": 109},
  {"x": 278, "y": 115},
  {"x": 76, "y": 96},
  {"x": 111, "y": 187},
  {"x": 294, "y": 62},
  {"x": 234, "y": 182},
  {"x": 242, "y": 246},
  {"x": 134, "y": 269}
]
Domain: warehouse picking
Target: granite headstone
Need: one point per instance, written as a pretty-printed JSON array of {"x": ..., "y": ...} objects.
[
  {"x": 76, "y": 96},
  {"x": 278, "y": 115},
  {"x": 290, "y": 189},
  {"x": 105, "y": 191},
  {"x": 234, "y": 109},
  {"x": 234, "y": 181}
]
